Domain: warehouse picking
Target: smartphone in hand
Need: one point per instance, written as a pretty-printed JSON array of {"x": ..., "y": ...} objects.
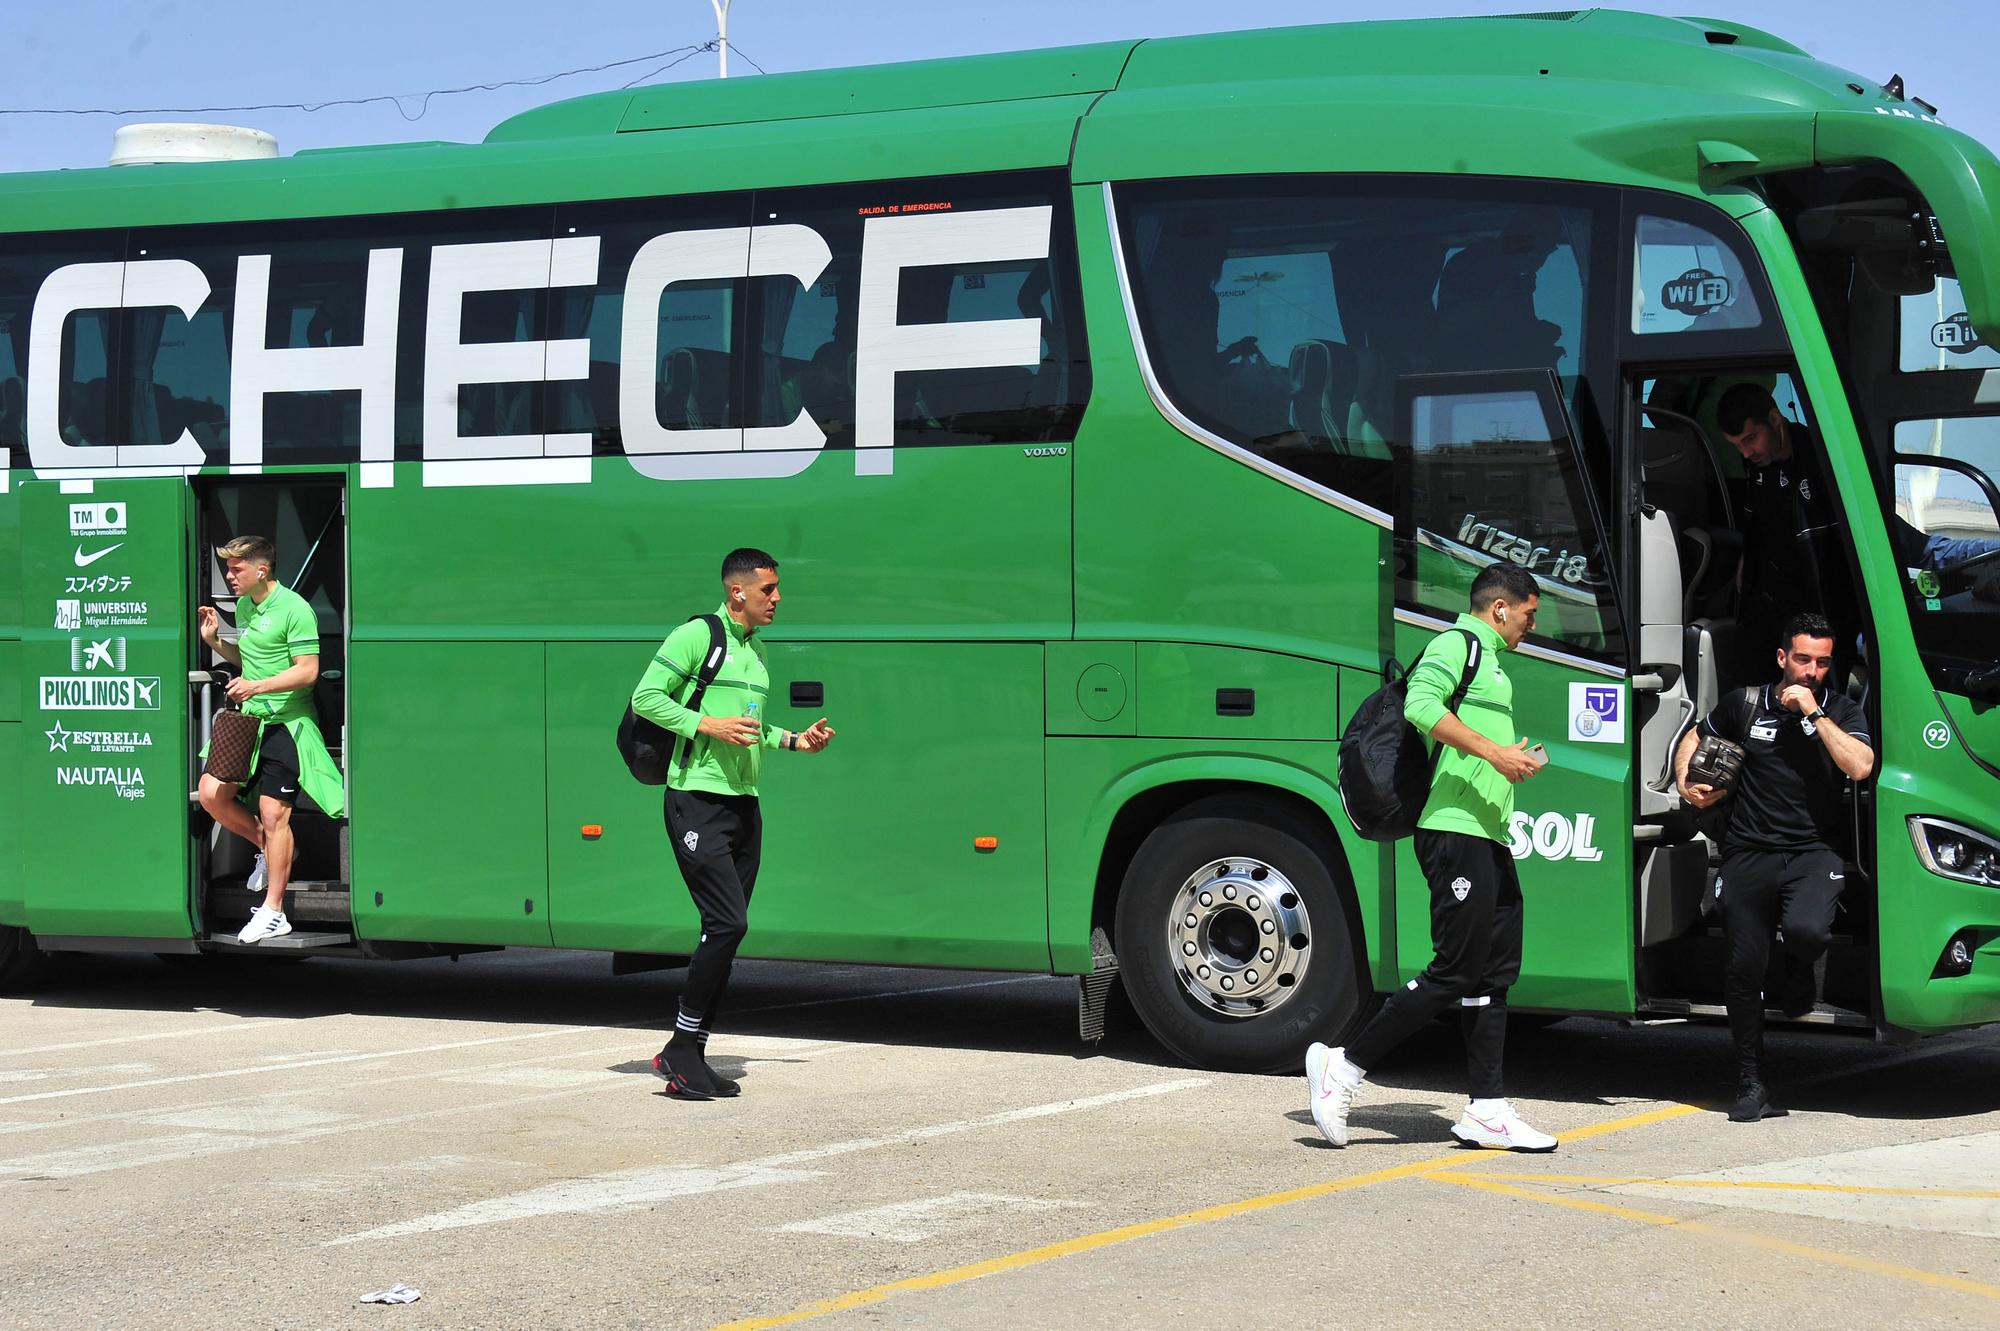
[{"x": 1538, "y": 754}]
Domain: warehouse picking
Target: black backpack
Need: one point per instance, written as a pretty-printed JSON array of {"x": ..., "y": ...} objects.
[
  {"x": 1385, "y": 773},
  {"x": 647, "y": 746}
]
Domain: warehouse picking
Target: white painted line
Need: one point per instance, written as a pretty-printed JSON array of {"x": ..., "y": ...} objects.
[
  {"x": 43, "y": 1074},
  {"x": 295, "y": 1065},
  {"x": 754, "y": 1049},
  {"x": 269, "y": 1116},
  {"x": 170, "y": 1150},
  {"x": 627, "y": 1187},
  {"x": 1947, "y": 1165},
  {"x": 973, "y": 1124},
  {"x": 547, "y": 1079},
  {"x": 330, "y": 1060},
  {"x": 633, "y": 1186},
  {"x": 919, "y": 1221},
  {"x": 125, "y": 1155},
  {"x": 181, "y": 1034}
]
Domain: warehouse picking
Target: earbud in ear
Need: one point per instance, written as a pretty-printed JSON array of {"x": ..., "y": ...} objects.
[{"x": 1503, "y": 614}]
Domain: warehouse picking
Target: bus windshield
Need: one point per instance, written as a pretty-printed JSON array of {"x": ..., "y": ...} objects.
[
  {"x": 1944, "y": 523},
  {"x": 1917, "y": 373}
]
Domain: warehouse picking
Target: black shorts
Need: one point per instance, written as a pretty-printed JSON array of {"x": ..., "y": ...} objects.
[{"x": 277, "y": 774}]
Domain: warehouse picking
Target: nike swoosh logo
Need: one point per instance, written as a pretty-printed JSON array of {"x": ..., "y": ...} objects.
[{"x": 85, "y": 561}]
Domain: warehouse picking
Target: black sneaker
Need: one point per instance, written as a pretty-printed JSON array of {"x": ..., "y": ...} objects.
[
  {"x": 679, "y": 1084},
  {"x": 724, "y": 1087},
  {"x": 1753, "y": 1102}
]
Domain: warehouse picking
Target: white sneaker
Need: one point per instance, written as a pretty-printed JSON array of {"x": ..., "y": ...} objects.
[
  {"x": 1499, "y": 1128},
  {"x": 265, "y": 923},
  {"x": 1329, "y": 1094},
  {"x": 259, "y": 875}
]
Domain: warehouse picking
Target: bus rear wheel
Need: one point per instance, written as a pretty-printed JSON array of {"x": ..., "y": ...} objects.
[
  {"x": 22, "y": 964},
  {"x": 1233, "y": 940}
]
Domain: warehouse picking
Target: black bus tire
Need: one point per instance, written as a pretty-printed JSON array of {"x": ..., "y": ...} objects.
[
  {"x": 23, "y": 966},
  {"x": 1325, "y": 999}
]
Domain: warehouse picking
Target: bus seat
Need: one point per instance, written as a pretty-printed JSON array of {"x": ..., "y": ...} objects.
[
  {"x": 824, "y": 386},
  {"x": 1667, "y": 713},
  {"x": 1710, "y": 646},
  {"x": 85, "y": 424},
  {"x": 1486, "y": 317},
  {"x": 695, "y": 389},
  {"x": 1322, "y": 391},
  {"x": 1253, "y": 394}
]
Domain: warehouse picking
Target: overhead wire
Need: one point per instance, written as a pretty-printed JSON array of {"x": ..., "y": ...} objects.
[{"x": 422, "y": 100}]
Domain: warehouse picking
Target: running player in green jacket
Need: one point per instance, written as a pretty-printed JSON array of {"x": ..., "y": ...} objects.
[{"x": 713, "y": 818}]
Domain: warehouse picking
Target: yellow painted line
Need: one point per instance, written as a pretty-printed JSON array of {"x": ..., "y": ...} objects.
[
  {"x": 1826, "y": 1255},
  {"x": 862, "y": 1298},
  {"x": 1775, "y": 1185}
]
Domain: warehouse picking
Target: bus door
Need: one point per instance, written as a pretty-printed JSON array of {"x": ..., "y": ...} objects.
[
  {"x": 305, "y": 516},
  {"x": 1491, "y": 471},
  {"x": 106, "y": 629}
]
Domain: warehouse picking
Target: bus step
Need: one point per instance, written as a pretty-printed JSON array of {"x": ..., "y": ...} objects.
[
  {"x": 322, "y": 944},
  {"x": 1825, "y": 1014},
  {"x": 307, "y": 901}
]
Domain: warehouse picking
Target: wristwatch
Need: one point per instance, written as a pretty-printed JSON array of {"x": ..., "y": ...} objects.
[{"x": 1816, "y": 714}]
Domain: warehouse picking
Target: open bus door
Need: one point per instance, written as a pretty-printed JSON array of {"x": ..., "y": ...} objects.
[
  {"x": 105, "y": 784},
  {"x": 305, "y": 516},
  {"x": 1491, "y": 470}
]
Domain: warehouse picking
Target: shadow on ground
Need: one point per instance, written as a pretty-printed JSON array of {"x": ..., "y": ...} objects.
[{"x": 1581, "y": 1060}]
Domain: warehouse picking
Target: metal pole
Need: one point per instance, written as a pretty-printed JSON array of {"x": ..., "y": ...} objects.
[{"x": 721, "y": 8}]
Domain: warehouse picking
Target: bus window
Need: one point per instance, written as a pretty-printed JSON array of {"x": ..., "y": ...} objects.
[
  {"x": 89, "y": 350},
  {"x": 806, "y": 338},
  {"x": 1945, "y": 529},
  {"x": 1688, "y": 280},
  {"x": 698, "y": 383},
  {"x": 1279, "y": 314},
  {"x": 1936, "y": 334},
  {"x": 1493, "y": 474}
]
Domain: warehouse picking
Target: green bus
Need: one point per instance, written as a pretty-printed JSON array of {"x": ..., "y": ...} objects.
[{"x": 1118, "y": 413}]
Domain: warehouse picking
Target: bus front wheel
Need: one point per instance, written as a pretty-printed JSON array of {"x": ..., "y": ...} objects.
[
  {"x": 22, "y": 964},
  {"x": 1233, "y": 940}
]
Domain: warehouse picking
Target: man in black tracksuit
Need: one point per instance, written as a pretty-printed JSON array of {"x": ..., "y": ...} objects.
[
  {"x": 1801, "y": 743},
  {"x": 713, "y": 819}
]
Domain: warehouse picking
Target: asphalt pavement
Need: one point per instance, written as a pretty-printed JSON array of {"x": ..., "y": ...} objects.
[{"x": 258, "y": 1143}]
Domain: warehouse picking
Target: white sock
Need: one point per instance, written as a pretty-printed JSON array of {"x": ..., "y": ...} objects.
[
  {"x": 1345, "y": 1070},
  {"x": 1486, "y": 1108}
]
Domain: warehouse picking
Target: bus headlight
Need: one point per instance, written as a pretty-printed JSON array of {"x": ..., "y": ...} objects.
[{"x": 1953, "y": 850}]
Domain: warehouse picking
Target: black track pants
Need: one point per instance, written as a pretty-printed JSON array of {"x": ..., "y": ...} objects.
[
  {"x": 1476, "y": 935},
  {"x": 1762, "y": 891},
  {"x": 717, "y": 841}
]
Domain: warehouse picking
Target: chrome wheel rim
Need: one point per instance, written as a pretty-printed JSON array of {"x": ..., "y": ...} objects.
[{"x": 1240, "y": 937}]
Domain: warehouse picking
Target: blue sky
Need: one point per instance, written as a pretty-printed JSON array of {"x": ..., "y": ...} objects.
[{"x": 162, "y": 53}]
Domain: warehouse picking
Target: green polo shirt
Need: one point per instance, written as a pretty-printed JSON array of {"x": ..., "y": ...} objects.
[
  {"x": 721, "y": 769},
  {"x": 1468, "y": 794},
  {"x": 272, "y": 634}
]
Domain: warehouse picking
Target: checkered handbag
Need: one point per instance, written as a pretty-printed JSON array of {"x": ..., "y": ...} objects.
[{"x": 232, "y": 739}]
